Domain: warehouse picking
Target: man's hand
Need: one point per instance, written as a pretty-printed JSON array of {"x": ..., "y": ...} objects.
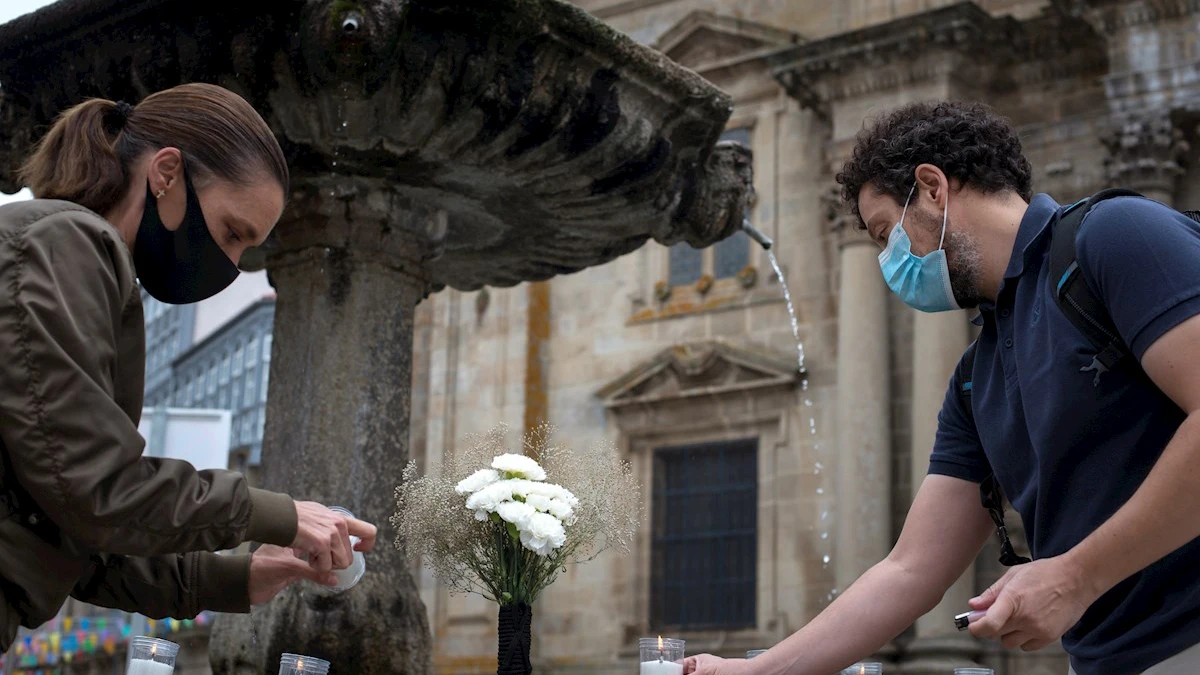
[
  {"x": 274, "y": 568},
  {"x": 1033, "y": 604},
  {"x": 707, "y": 664},
  {"x": 323, "y": 536}
]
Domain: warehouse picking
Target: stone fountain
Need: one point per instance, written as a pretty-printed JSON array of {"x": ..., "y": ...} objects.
[{"x": 433, "y": 143}]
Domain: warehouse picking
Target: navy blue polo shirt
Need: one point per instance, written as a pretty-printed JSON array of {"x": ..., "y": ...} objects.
[{"x": 1068, "y": 453}]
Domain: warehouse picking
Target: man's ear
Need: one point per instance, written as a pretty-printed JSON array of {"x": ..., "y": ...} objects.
[{"x": 932, "y": 184}]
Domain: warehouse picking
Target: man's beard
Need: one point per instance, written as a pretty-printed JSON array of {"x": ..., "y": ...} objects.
[{"x": 963, "y": 259}]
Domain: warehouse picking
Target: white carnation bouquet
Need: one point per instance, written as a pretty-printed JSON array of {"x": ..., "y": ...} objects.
[
  {"x": 504, "y": 524},
  {"x": 513, "y": 493}
]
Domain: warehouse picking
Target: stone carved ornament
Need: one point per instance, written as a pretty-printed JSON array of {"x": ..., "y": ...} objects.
[
  {"x": 1146, "y": 148},
  {"x": 561, "y": 146}
]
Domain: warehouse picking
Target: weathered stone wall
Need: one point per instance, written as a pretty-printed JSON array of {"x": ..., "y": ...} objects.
[{"x": 1051, "y": 78}]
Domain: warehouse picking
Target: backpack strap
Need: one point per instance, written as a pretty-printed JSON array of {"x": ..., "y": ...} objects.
[
  {"x": 989, "y": 490},
  {"x": 1075, "y": 297},
  {"x": 963, "y": 372}
]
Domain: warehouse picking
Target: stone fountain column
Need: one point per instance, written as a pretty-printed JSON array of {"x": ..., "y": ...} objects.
[{"x": 338, "y": 422}]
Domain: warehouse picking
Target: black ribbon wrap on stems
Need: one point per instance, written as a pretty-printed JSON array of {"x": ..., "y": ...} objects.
[{"x": 515, "y": 640}]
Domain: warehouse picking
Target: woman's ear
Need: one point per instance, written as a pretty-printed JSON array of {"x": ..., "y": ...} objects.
[{"x": 167, "y": 186}]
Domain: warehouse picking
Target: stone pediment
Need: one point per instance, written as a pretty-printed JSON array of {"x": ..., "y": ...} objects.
[
  {"x": 703, "y": 41},
  {"x": 897, "y": 53},
  {"x": 960, "y": 44},
  {"x": 963, "y": 27},
  {"x": 707, "y": 368},
  {"x": 1115, "y": 15}
]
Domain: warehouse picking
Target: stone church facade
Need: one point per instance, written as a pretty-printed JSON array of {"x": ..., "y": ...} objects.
[{"x": 768, "y": 489}]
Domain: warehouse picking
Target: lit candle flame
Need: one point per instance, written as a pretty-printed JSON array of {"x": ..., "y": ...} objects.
[
  {"x": 660, "y": 647},
  {"x": 153, "y": 650},
  {"x": 299, "y": 664},
  {"x": 862, "y": 669}
]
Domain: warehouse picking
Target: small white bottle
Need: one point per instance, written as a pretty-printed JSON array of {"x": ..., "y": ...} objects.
[{"x": 350, "y": 576}]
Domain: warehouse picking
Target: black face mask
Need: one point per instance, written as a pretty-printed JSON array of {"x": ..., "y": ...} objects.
[{"x": 182, "y": 266}]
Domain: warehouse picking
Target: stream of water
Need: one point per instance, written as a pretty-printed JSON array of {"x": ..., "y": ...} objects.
[
  {"x": 823, "y": 520},
  {"x": 787, "y": 296}
]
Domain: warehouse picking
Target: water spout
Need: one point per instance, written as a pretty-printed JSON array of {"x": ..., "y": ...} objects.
[
  {"x": 351, "y": 23},
  {"x": 755, "y": 234}
]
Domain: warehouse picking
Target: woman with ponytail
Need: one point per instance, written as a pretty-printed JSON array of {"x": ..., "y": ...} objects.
[{"x": 167, "y": 194}]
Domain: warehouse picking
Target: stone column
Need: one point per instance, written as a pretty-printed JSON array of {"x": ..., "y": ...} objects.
[
  {"x": 938, "y": 343},
  {"x": 338, "y": 432},
  {"x": 864, "y": 473},
  {"x": 1146, "y": 154}
]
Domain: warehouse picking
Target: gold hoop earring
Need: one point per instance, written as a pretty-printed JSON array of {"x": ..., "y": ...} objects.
[{"x": 161, "y": 194}]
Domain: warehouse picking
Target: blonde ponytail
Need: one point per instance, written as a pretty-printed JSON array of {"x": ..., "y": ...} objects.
[{"x": 77, "y": 160}]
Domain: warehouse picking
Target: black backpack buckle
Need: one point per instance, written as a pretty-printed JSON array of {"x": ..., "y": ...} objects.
[
  {"x": 989, "y": 495},
  {"x": 1109, "y": 358},
  {"x": 1096, "y": 366}
]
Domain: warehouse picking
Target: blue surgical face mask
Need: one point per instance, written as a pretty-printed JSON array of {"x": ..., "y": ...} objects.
[{"x": 922, "y": 282}]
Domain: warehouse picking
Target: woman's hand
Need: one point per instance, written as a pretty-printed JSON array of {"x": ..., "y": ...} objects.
[
  {"x": 274, "y": 568},
  {"x": 707, "y": 664},
  {"x": 323, "y": 536}
]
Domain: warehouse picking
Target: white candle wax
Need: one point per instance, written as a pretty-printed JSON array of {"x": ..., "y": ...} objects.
[
  {"x": 145, "y": 667},
  {"x": 661, "y": 668}
]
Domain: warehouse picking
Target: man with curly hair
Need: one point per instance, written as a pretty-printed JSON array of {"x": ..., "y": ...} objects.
[{"x": 1103, "y": 465}]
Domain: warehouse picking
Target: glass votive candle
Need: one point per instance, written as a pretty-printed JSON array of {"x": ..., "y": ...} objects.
[
  {"x": 295, "y": 664},
  {"x": 755, "y": 652},
  {"x": 151, "y": 656},
  {"x": 861, "y": 668},
  {"x": 660, "y": 656},
  {"x": 350, "y": 576},
  {"x": 974, "y": 671}
]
